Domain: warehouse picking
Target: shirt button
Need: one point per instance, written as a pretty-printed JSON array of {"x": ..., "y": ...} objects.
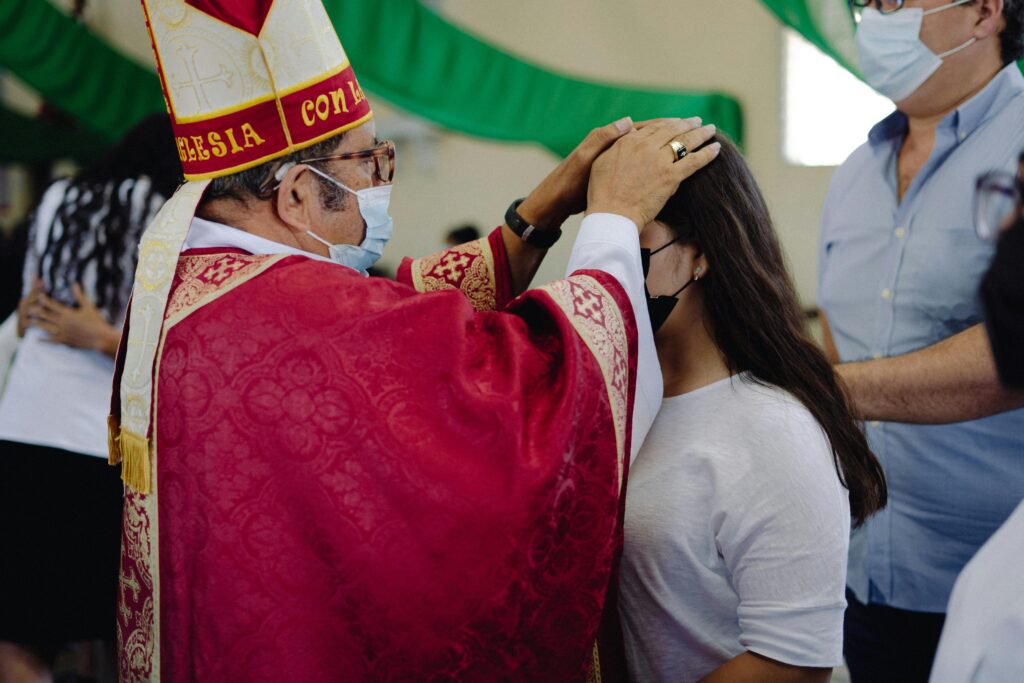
[
  {"x": 886, "y": 294},
  {"x": 875, "y": 423},
  {"x": 963, "y": 136},
  {"x": 901, "y": 233}
]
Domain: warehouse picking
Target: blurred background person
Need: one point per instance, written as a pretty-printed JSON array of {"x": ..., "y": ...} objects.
[
  {"x": 739, "y": 506},
  {"x": 981, "y": 641},
  {"x": 461, "y": 234},
  {"x": 60, "y": 504},
  {"x": 999, "y": 216}
]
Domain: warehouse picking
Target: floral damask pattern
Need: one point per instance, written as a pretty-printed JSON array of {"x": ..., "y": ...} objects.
[
  {"x": 203, "y": 276},
  {"x": 378, "y": 485},
  {"x": 467, "y": 267},
  {"x": 593, "y": 312},
  {"x": 137, "y": 634}
]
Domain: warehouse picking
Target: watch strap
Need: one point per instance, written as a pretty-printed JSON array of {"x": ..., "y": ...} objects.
[{"x": 542, "y": 239}]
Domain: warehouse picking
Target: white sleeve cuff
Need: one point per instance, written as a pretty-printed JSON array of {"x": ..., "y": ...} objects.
[{"x": 611, "y": 243}]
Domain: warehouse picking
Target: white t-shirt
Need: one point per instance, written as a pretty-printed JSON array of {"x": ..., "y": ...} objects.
[
  {"x": 57, "y": 395},
  {"x": 737, "y": 530},
  {"x": 983, "y": 638}
]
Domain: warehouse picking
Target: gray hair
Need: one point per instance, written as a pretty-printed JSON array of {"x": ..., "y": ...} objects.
[{"x": 255, "y": 183}]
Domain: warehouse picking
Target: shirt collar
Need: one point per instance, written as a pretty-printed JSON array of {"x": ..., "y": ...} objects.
[
  {"x": 204, "y": 234},
  {"x": 965, "y": 119}
]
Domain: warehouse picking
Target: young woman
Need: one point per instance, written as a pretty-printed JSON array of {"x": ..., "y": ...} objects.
[
  {"x": 60, "y": 503},
  {"x": 740, "y": 500}
]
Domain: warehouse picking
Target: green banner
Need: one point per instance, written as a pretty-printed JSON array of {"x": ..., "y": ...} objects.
[
  {"x": 422, "y": 63},
  {"x": 73, "y": 69},
  {"x": 401, "y": 52},
  {"x": 827, "y": 24}
]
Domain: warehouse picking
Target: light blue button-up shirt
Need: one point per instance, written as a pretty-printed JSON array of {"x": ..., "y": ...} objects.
[{"x": 896, "y": 277}]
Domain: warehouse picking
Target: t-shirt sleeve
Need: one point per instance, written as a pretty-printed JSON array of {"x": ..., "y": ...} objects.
[{"x": 783, "y": 533}]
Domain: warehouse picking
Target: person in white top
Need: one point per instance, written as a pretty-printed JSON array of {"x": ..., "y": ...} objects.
[
  {"x": 739, "y": 505},
  {"x": 984, "y": 631},
  {"x": 60, "y": 503}
]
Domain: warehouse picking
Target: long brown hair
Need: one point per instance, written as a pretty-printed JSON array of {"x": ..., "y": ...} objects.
[{"x": 752, "y": 312}]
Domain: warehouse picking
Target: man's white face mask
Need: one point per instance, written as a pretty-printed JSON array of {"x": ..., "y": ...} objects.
[
  {"x": 373, "y": 207},
  {"x": 894, "y": 60}
]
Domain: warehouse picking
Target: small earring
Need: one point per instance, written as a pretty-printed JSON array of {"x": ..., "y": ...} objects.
[{"x": 696, "y": 273}]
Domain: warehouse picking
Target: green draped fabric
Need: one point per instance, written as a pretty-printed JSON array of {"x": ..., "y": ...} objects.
[
  {"x": 420, "y": 62},
  {"x": 28, "y": 140},
  {"x": 827, "y": 24},
  {"x": 401, "y": 52},
  {"x": 73, "y": 69}
]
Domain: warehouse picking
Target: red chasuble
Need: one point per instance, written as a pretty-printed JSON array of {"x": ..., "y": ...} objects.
[{"x": 363, "y": 480}]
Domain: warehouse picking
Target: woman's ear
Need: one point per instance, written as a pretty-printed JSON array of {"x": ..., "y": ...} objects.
[
  {"x": 700, "y": 266},
  {"x": 296, "y": 196}
]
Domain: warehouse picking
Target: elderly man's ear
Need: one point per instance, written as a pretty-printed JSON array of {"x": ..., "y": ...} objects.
[{"x": 297, "y": 199}]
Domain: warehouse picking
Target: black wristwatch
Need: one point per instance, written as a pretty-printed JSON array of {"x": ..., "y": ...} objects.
[{"x": 542, "y": 239}]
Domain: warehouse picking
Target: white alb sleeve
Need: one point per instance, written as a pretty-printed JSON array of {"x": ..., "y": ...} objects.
[{"x": 611, "y": 243}]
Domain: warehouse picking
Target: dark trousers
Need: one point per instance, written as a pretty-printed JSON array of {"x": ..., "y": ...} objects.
[
  {"x": 60, "y": 540},
  {"x": 883, "y": 644}
]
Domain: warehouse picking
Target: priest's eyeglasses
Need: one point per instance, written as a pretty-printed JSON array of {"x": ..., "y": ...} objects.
[
  {"x": 997, "y": 203},
  {"x": 383, "y": 156}
]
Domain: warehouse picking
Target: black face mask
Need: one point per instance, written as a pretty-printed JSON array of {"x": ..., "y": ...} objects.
[
  {"x": 659, "y": 307},
  {"x": 1002, "y": 294}
]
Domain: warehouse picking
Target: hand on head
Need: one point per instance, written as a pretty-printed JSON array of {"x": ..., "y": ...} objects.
[
  {"x": 636, "y": 175},
  {"x": 564, "y": 191}
]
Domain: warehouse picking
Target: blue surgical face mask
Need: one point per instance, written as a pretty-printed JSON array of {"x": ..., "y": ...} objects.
[
  {"x": 894, "y": 60},
  {"x": 373, "y": 207}
]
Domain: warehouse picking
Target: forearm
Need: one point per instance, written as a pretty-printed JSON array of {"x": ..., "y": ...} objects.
[
  {"x": 952, "y": 381},
  {"x": 523, "y": 259},
  {"x": 108, "y": 341},
  {"x": 752, "y": 668}
]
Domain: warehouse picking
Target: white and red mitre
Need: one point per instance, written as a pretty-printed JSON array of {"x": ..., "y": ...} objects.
[
  {"x": 250, "y": 80},
  {"x": 246, "y": 81}
]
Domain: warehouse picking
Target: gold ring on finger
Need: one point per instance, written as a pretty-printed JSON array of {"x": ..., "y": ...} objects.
[{"x": 678, "y": 148}]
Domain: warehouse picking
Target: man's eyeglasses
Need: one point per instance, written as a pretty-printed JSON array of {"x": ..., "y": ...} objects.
[
  {"x": 857, "y": 7},
  {"x": 884, "y": 6},
  {"x": 997, "y": 203},
  {"x": 383, "y": 156}
]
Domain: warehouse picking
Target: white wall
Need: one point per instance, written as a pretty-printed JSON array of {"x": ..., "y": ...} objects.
[{"x": 729, "y": 45}]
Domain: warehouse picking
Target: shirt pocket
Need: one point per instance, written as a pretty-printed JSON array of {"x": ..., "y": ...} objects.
[
  {"x": 853, "y": 263},
  {"x": 939, "y": 278}
]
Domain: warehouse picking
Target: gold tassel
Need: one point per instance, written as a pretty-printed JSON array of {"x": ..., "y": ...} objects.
[
  {"x": 135, "y": 461},
  {"x": 113, "y": 440}
]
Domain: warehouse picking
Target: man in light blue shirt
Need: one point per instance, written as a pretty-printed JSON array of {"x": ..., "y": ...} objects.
[{"x": 899, "y": 267}]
